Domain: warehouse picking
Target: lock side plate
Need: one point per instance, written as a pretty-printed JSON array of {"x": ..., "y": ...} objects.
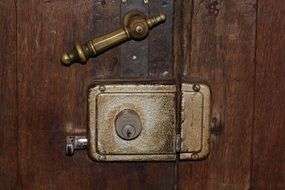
[
  {"x": 195, "y": 121},
  {"x": 156, "y": 106}
]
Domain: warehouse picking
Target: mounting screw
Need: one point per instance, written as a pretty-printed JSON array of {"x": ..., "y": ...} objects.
[
  {"x": 196, "y": 87},
  {"x": 102, "y": 157},
  {"x": 146, "y": 1},
  {"x": 102, "y": 88},
  {"x": 124, "y": 1},
  {"x": 134, "y": 57},
  {"x": 139, "y": 29}
]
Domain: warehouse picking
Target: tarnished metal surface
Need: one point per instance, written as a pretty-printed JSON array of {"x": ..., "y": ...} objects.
[
  {"x": 128, "y": 124},
  {"x": 155, "y": 105},
  {"x": 152, "y": 110},
  {"x": 136, "y": 26},
  {"x": 195, "y": 121}
]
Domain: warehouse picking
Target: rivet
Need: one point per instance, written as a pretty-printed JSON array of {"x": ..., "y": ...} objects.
[
  {"x": 102, "y": 157},
  {"x": 124, "y": 1},
  {"x": 134, "y": 57},
  {"x": 194, "y": 156},
  {"x": 196, "y": 87},
  {"x": 102, "y": 88},
  {"x": 139, "y": 29}
]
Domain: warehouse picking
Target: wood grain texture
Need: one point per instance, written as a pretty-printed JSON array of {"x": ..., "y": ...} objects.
[
  {"x": 8, "y": 96},
  {"x": 237, "y": 47},
  {"x": 53, "y": 99},
  {"x": 219, "y": 49},
  {"x": 269, "y": 118}
]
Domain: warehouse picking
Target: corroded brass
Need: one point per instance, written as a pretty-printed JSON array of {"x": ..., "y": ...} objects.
[{"x": 135, "y": 26}]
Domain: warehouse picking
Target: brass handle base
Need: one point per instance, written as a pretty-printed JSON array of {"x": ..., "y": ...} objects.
[{"x": 135, "y": 26}]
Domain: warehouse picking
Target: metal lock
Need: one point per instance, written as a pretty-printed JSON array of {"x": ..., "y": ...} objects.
[{"x": 139, "y": 123}]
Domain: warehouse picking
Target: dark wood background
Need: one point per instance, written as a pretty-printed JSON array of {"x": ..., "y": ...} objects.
[{"x": 235, "y": 46}]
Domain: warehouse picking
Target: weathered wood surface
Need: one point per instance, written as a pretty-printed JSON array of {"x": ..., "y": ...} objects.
[
  {"x": 234, "y": 46},
  {"x": 8, "y": 96},
  {"x": 219, "y": 48},
  {"x": 269, "y": 115},
  {"x": 53, "y": 99}
]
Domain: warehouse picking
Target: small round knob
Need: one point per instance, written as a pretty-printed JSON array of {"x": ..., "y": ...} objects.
[
  {"x": 65, "y": 59},
  {"x": 128, "y": 124}
]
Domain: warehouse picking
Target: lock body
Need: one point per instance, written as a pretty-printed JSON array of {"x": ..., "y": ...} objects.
[
  {"x": 140, "y": 122},
  {"x": 144, "y": 112}
]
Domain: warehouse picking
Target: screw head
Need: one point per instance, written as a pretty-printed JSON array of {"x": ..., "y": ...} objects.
[
  {"x": 196, "y": 87},
  {"x": 102, "y": 88},
  {"x": 139, "y": 29}
]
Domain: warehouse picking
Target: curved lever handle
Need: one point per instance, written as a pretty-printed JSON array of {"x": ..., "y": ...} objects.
[{"x": 135, "y": 26}]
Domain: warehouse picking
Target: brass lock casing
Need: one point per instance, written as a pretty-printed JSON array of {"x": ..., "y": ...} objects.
[
  {"x": 155, "y": 105},
  {"x": 149, "y": 114}
]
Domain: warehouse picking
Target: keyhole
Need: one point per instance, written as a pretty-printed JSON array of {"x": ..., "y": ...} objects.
[
  {"x": 129, "y": 133},
  {"x": 128, "y": 125}
]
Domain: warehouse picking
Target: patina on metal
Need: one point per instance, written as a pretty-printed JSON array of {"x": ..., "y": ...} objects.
[
  {"x": 195, "y": 121},
  {"x": 138, "y": 122},
  {"x": 154, "y": 106},
  {"x": 135, "y": 26}
]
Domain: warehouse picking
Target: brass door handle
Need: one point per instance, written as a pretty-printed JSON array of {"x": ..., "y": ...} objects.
[{"x": 135, "y": 26}]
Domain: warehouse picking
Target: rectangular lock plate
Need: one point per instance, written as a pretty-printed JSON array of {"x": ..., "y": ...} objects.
[
  {"x": 195, "y": 121},
  {"x": 138, "y": 122}
]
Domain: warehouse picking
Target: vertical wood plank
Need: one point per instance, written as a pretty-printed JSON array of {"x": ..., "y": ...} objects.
[
  {"x": 8, "y": 96},
  {"x": 269, "y": 118},
  {"x": 53, "y": 99},
  {"x": 220, "y": 51}
]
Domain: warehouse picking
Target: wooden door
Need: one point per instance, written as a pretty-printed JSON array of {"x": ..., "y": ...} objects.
[{"x": 237, "y": 47}]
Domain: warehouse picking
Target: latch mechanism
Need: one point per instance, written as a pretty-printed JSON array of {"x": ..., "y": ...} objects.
[{"x": 75, "y": 143}]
